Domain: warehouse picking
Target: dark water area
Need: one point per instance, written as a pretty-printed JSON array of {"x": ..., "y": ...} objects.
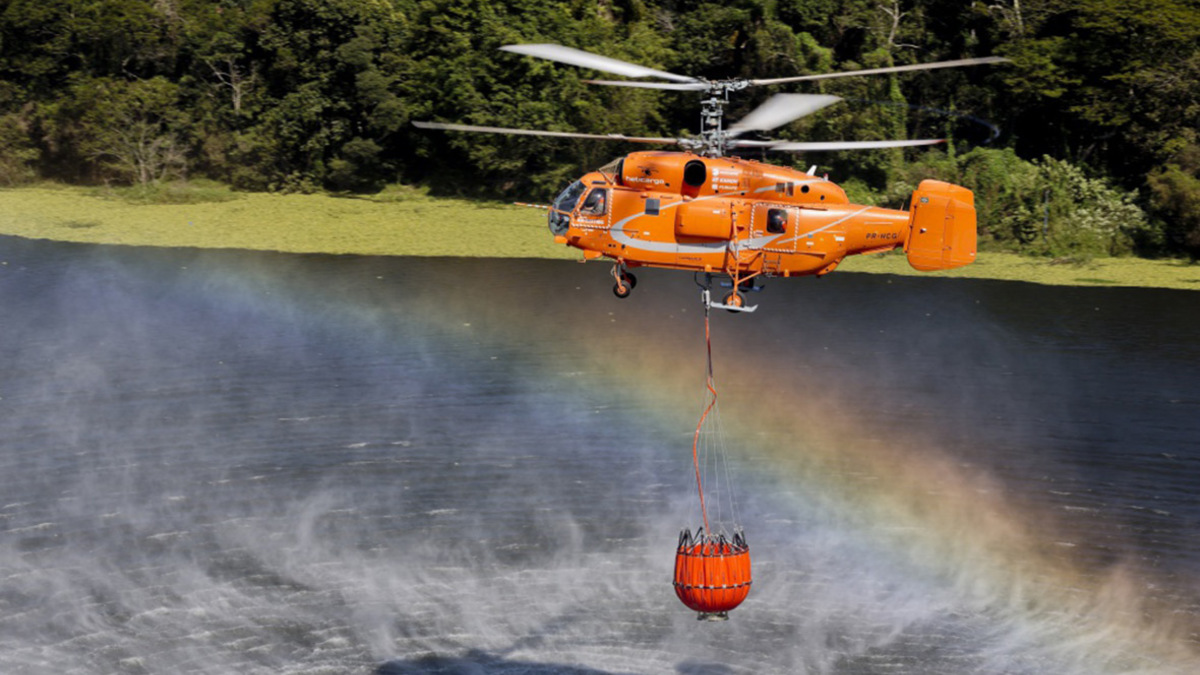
[{"x": 217, "y": 462}]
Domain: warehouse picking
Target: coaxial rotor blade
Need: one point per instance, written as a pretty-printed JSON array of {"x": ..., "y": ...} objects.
[
  {"x": 781, "y": 109},
  {"x": 673, "y": 86},
  {"x": 892, "y": 69},
  {"x": 532, "y": 132},
  {"x": 751, "y": 144},
  {"x": 819, "y": 146},
  {"x": 578, "y": 57}
]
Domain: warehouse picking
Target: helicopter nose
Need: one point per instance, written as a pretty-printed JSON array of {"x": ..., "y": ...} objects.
[{"x": 559, "y": 222}]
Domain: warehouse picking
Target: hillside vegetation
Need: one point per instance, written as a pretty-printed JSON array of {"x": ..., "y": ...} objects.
[
  {"x": 394, "y": 222},
  {"x": 1086, "y": 145}
]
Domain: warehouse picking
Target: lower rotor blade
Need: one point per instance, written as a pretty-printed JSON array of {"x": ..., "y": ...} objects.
[
  {"x": 893, "y": 69},
  {"x": 740, "y": 143},
  {"x": 531, "y": 132},
  {"x": 820, "y": 146}
]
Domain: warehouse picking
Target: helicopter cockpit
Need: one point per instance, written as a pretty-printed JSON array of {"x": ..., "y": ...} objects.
[{"x": 564, "y": 204}]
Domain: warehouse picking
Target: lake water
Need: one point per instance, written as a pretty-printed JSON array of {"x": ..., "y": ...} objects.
[{"x": 225, "y": 462}]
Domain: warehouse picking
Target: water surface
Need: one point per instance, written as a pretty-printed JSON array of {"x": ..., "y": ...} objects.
[{"x": 216, "y": 462}]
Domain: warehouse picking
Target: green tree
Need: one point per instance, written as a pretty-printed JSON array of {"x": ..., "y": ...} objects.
[
  {"x": 325, "y": 72},
  {"x": 132, "y": 130},
  {"x": 18, "y": 156},
  {"x": 45, "y": 42},
  {"x": 1106, "y": 82}
]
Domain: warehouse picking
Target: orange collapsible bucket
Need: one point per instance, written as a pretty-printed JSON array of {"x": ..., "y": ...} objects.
[{"x": 712, "y": 573}]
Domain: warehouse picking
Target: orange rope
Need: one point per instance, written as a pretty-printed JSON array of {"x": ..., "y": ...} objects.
[{"x": 696, "y": 438}]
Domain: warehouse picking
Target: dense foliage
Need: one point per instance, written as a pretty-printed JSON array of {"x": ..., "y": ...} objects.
[{"x": 1087, "y": 144}]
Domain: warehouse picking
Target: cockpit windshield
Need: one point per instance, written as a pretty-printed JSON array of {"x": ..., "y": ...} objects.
[{"x": 569, "y": 197}]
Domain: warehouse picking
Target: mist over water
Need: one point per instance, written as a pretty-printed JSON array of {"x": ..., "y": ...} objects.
[{"x": 227, "y": 462}]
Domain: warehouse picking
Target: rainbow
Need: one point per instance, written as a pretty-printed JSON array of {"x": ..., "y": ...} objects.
[{"x": 918, "y": 503}]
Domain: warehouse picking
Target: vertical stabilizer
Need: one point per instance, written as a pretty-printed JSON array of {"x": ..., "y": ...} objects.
[{"x": 941, "y": 227}]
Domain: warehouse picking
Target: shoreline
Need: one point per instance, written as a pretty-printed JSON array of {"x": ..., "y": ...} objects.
[{"x": 409, "y": 223}]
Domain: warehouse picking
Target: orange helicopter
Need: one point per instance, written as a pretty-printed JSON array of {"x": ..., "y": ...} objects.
[{"x": 724, "y": 216}]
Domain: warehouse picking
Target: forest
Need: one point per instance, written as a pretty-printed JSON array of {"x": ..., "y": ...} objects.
[{"x": 1086, "y": 144}]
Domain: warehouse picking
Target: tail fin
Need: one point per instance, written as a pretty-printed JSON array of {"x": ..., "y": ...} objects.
[{"x": 941, "y": 227}]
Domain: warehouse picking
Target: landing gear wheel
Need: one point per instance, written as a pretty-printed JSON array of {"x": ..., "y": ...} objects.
[
  {"x": 626, "y": 282},
  {"x": 734, "y": 299}
]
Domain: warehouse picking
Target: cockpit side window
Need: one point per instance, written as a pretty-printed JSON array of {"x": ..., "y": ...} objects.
[
  {"x": 776, "y": 221},
  {"x": 596, "y": 203},
  {"x": 569, "y": 198}
]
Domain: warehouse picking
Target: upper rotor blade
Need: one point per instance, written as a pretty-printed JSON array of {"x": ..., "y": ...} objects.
[
  {"x": 819, "y": 146},
  {"x": 577, "y": 57},
  {"x": 674, "y": 86},
  {"x": 531, "y": 132},
  {"x": 892, "y": 69},
  {"x": 781, "y": 109}
]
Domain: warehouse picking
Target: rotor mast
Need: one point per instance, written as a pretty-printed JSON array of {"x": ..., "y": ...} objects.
[{"x": 714, "y": 141}]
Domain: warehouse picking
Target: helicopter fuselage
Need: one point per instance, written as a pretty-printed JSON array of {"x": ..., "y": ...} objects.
[{"x": 744, "y": 218}]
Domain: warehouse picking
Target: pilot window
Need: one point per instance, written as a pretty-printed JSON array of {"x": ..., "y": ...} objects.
[
  {"x": 776, "y": 221},
  {"x": 596, "y": 203},
  {"x": 569, "y": 197}
]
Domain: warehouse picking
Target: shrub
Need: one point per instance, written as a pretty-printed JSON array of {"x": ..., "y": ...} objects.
[
  {"x": 1048, "y": 207},
  {"x": 1086, "y": 216},
  {"x": 1175, "y": 197}
]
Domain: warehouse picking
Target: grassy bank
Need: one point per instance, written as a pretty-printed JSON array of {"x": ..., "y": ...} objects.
[
  {"x": 406, "y": 222},
  {"x": 398, "y": 222},
  {"x": 1012, "y": 267}
]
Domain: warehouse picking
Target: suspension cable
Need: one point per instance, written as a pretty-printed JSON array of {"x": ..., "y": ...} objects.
[{"x": 712, "y": 402}]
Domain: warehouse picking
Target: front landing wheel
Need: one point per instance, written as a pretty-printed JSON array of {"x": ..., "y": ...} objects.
[
  {"x": 622, "y": 290},
  {"x": 734, "y": 299}
]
